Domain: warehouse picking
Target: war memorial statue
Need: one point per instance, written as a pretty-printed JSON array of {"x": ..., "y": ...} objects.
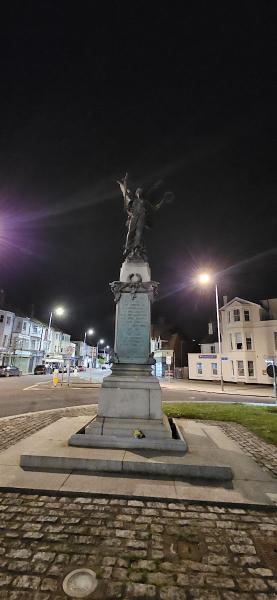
[
  {"x": 130, "y": 398},
  {"x": 130, "y": 434},
  {"x": 139, "y": 209}
]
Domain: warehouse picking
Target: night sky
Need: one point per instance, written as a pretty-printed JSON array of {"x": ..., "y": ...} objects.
[{"x": 185, "y": 92}]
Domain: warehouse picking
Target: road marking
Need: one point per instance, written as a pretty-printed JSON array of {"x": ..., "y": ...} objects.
[{"x": 36, "y": 384}]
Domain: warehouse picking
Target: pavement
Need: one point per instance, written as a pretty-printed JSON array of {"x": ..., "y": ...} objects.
[
  {"x": 259, "y": 391},
  {"x": 138, "y": 546},
  {"x": 215, "y": 468}
]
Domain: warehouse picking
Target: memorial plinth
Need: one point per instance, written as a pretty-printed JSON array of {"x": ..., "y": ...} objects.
[{"x": 130, "y": 398}]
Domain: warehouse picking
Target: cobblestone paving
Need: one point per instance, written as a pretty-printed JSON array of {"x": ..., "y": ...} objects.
[
  {"x": 138, "y": 549},
  {"x": 16, "y": 428},
  {"x": 263, "y": 453}
]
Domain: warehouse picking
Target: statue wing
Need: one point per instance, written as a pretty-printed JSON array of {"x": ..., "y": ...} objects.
[{"x": 157, "y": 195}]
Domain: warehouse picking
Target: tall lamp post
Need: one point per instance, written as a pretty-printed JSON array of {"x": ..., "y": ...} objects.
[
  {"x": 205, "y": 279},
  {"x": 59, "y": 311},
  {"x": 101, "y": 341},
  {"x": 88, "y": 332}
]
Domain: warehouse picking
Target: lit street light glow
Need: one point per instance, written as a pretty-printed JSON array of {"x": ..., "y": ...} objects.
[
  {"x": 204, "y": 278},
  {"x": 59, "y": 311},
  {"x": 90, "y": 331}
]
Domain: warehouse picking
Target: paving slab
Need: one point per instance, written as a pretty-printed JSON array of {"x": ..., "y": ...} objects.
[
  {"x": 16, "y": 477},
  {"x": 54, "y": 452},
  {"x": 119, "y": 485},
  {"x": 251, "y": 484}
]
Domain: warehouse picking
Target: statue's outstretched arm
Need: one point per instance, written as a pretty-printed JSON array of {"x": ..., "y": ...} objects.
[{"x": 125, "y": 191}]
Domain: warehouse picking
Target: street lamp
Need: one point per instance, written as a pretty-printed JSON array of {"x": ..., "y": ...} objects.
[
  {"x": 100, "y": 342},
  {"x": 59, "y": 311},
  {"x": 88, "y": 332},
  {"x": 204, "y": 279}
]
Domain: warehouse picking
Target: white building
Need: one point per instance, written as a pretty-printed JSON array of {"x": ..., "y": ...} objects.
[
  {"x": 85, "y": 354},
  {"x": 164, "y": 358},
  {"x": 249, "y": 344},
  {"x": 59, "y": 347},
  {"x": 6, "y": 326},
  {"x": 25, "y": 342}
]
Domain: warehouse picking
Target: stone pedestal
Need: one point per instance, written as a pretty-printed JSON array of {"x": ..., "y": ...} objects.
[{"x": 130, "y": 398}]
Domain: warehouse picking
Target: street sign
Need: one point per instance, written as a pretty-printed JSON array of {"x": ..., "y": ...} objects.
[{"x": 270, "y": 371}]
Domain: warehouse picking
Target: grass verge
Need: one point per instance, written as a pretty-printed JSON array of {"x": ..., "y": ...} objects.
[{"x": 261, "y": 420}]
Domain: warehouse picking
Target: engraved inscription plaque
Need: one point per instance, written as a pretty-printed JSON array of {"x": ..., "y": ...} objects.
[{"x": 132, "y": 333}]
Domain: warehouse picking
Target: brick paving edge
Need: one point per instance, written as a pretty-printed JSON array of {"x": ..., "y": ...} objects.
[
  {"x": 71, "y": 494},
  {"x": 48, "y": 410}
]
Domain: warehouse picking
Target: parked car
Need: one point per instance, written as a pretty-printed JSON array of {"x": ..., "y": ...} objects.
[
  {"x": 42, "y": 370},
  {"x": 9, "y": 371}
]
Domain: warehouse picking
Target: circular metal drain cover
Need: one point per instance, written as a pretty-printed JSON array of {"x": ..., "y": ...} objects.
[{"x": 80, "y": 583}]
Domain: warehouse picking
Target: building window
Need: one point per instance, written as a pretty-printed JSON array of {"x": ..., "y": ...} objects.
[
  {"x": 240, "y": 367},
  {"x": 24, "y": 326},
  {"x": 33, "y": 344},
  {"x": 232, "y": 366},
  {"x": 275, "y": 339},
  {"x": 1, "y": 318},
  {"x": 231, "y": 341},
  {"x": 5, "y": 340},
  {"x": 250, "y": 366},
  {"x": 236, "y": 314},
  {"x": 238, "y": 341},
  {"x": 8, "y": 320},
  {"x": 35, "y": 329},
  {"x": 248, "y": 343},
  {"x": 214, "y": 368},
  {"x": 246, "y": 315},
  {"x": 229, "y": 316},
  {"x": 213, "y": 349},
  {"x": 199, "y": 368}
]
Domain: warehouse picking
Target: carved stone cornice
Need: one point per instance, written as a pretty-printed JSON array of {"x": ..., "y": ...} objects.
[{"x": 134, "y": 285}]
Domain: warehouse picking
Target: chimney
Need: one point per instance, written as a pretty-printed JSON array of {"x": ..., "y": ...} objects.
[
  {"x": 225, "y": 300},
  {"x": 210, "y": 328}
]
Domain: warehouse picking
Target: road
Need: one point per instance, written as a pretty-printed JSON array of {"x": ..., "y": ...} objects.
[{"x": 32, "y": 393}]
